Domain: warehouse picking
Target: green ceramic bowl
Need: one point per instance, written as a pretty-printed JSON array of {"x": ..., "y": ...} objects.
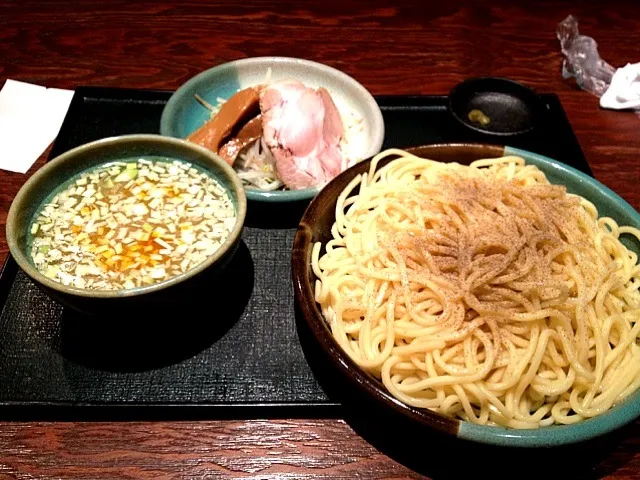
[
  {"x": 315, "y": 226},
  {"x": 56, "y": 172},
  {"x": 183, "y": 114}
]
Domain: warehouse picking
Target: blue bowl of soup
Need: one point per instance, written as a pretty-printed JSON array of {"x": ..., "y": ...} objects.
[{"x": 127, "y": 222}]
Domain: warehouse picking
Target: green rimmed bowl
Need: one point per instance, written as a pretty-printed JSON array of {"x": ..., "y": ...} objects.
[
  {"x": 62, "y": 168},
  {"x": 183, "y": 114},
  {"x": 315, "y": 226}
]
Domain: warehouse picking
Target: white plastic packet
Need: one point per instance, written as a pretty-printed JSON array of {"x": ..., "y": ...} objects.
[{"x": 624, "y": 90}]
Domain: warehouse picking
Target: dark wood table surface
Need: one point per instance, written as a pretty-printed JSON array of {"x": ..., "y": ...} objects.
[{"x": 410, "y": 47}]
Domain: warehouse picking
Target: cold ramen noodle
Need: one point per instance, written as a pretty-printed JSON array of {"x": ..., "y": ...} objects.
[
  {"x": 482, "y": 292},
  {"x": 130, "y": 224}
]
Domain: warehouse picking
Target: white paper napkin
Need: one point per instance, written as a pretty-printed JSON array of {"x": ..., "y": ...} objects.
[
  {"x": 624, "y": 91},
  {"x": 30, "y": 119}
]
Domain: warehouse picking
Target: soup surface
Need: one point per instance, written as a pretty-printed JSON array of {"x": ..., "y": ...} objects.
[{"x": 130, "y": 224}]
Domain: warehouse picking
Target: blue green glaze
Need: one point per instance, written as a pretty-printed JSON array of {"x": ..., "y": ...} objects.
[
  {"x": 609, "y": 204},
  {"x": 183, "y": 114}
]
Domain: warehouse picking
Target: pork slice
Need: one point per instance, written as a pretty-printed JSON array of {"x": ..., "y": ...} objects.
[
  {"x": 333, "y": 128},
  {"x": 302, "y": 128}
]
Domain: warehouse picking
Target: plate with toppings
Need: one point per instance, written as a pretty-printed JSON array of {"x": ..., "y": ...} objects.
[
  {"x": 287, "y": 126},
  {"x": 125, "y": 217}
]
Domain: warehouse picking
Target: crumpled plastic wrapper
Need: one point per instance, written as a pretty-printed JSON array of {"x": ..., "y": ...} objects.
[
  {"x": 617, "y": 88},
  {"x": 582, "y": 59}
]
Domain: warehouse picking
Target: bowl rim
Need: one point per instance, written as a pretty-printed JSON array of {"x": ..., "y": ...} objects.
[
  {"x": 169, "y": 111},
  {"x": 537, "y": 104},
  {"x": 552, "y": 436},
  {"x": 21, "y": 198}
]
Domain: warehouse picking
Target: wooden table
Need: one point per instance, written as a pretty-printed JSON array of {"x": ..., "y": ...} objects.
[{"x": 417, "y": 48}]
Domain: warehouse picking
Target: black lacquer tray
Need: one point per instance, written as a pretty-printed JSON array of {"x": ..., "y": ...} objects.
[{"x": 237, "y": 355}]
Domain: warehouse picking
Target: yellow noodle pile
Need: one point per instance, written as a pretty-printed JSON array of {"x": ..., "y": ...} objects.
[{"x": 482, "y": 292}]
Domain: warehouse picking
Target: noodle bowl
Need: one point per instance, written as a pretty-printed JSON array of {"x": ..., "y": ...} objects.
[{"x": 482, "y": 292}]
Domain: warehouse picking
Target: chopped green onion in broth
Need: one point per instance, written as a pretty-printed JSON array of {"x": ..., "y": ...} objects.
[{"x": 131, "y": 224}]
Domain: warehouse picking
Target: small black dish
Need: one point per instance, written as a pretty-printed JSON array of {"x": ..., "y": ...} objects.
[{"x": 510, "y": 107}]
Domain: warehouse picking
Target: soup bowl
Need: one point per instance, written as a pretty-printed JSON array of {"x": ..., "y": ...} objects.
[
  {"x": 316, "y": 225},
  {"x": 60, "y": 170}
]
